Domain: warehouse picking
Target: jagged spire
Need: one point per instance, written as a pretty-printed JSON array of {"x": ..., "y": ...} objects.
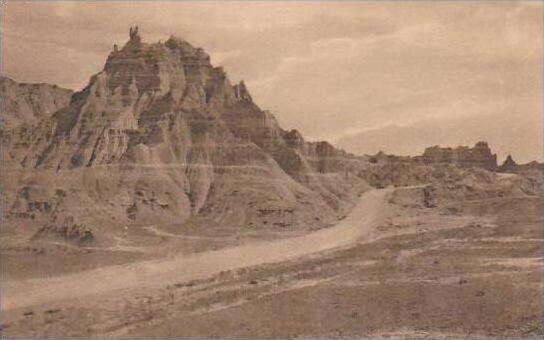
[
  {"x": 241, "y": 92},
  {"x": 509, "y": 161},
  {"x": 134, "y": 35}
]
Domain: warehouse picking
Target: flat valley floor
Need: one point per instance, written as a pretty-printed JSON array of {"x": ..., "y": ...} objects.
[{"x": 472, "y": 269}]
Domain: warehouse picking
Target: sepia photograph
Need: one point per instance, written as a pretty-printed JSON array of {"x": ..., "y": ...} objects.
[{"x": 272, "y": 169}]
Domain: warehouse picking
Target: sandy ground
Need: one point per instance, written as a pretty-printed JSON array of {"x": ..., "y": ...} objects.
[{"x": 384, "y": 271}]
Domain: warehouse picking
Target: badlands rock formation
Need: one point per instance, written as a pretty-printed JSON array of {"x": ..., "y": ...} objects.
[
  {"x": 464, "y": 176},
  {"x": 23, "y": 106},
  {"x": 28, "y": 103},
  {"x": 511, "y": 166},
  {"x": 160, "y": 135},
  {"x": 508, "y": 165},
  {"x": 478, "y": 156}
]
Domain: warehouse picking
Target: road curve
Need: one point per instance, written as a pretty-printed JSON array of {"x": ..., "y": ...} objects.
[{"x": 358, "y": 225}]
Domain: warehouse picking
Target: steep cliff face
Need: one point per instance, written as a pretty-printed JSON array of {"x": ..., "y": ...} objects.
[{"x": 159, "y": 136}]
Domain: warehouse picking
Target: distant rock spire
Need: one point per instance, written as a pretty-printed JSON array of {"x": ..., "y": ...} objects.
[
  {"x": 509, "y": 164},
  {"x": 134, "y": 35}
]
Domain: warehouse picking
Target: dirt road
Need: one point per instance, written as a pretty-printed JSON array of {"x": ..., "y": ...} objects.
[{"x": 359, "y": 224}]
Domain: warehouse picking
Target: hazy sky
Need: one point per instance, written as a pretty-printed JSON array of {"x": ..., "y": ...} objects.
[{"x": 396, "y": 76}]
